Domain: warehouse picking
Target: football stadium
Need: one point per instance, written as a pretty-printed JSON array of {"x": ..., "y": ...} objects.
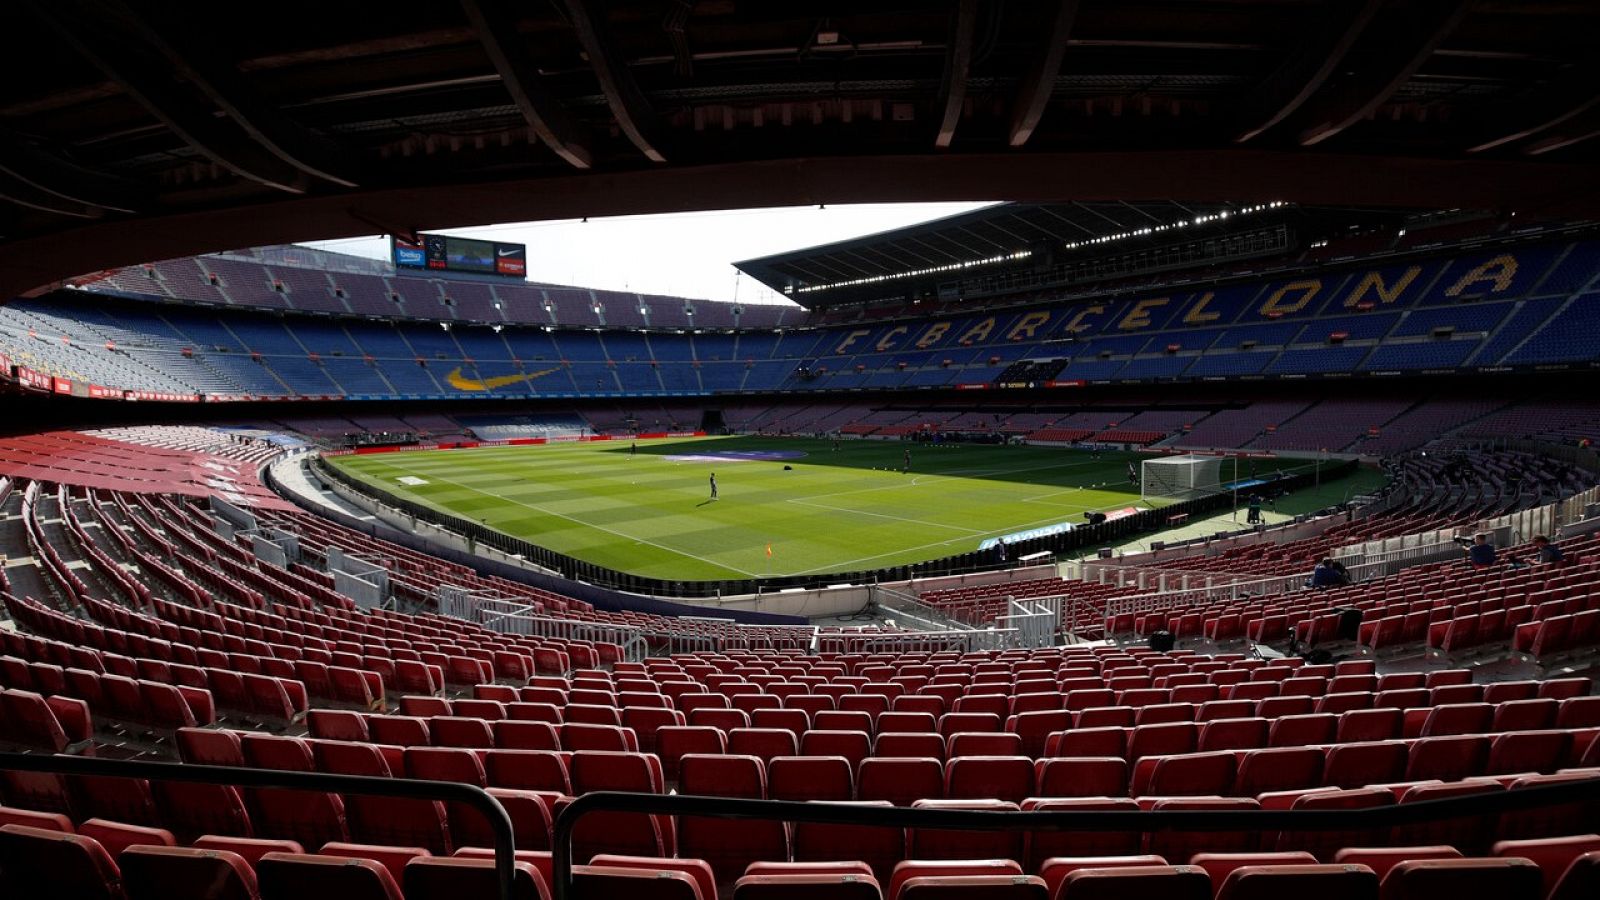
[{"x": 697, "y": 449}]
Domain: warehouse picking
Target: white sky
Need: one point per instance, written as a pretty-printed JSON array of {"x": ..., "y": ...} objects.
[{"x": 679, "y": 254}]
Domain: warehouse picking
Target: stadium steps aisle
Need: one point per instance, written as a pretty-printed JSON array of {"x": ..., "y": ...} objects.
[
  {"x": 1554, "y": 318},
  {"x": 20, "y": 569}
]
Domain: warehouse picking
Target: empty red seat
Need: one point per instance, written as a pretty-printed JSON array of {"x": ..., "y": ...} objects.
[
  {"x": 383, "y": 820},
  {"x": 1361, "y": 764},
  {"x": 697, "y": 871},
  {"x": 929, "y": 843},
  {"x": 309, "y": 817},
  {"x": 1582, "y": 879},
  {"x": 907, "y": 722},
  {"x": 393, "y": 858},
  {"x": 1182, "y": 845},
  {"x": 1162, "y": 740},
  {"x": 180, "y": 873},
  {"x": 1299, "y": 730},
  {"x": 337, "y": 725},
  {"x": 190, "y": 810},
  {"x": 626, "y": 833},
  {"x": 293, "y": 875},
  {"x": 616, "y": 881},
  {"x": 248, "y": 849},
  {"x": 459, "y": 731},
  {"x": 728, "y": 844},
  {"x": 1361, "y": 725},
  {"x": 1458, "y": 718},
  {"x": 675, "y": 742},
  {"x": 1563, "y": 688},
  {"x": 1447, "y": 758},
  {"x": 985, "y": 744},
  {"x": 1092, "y": 776},
  {"x": 1552, "y": 855},
  {"x": 763, "y": 743},
  {"x": 1056, "y": 869},
  {"x": 451, "y": 879},
  {"x": 1185, "y": 774},
  {"x": 842, "y": 720},
  {"x": 1462, "y": 879},
  {"x": 119, "y": 836},
  {"x": 1527, "y": 751},
  {"x": 1278, "y": 769},
  {"x": 900, "y": 780},
  {"x": 401, "y": 731},
  {"x": 530, "y": 770},
  {"x": 38, "y": 862},
  {"x": 714, "y": 717},
  {"x": 1035, "y": 727},
  {"x": 880, "y": 848},
  {"x": 975, "y": 887},
  {"x": 584, "y": 736},
  {"x": 1105, "y": 717},
  {"x": 1578, "y": 712},
  {"x": 1089, "y": 742},
  {"x": 852, "y": 745},
  {"x": 1469, "y": 833},
  {"x": 1233, "y": 734},
  {"x": 956, "y": 722},
  {"x": 967, "y": 868},
  {"x": 1310, "y": 882},
  {"x": 801, "y": 778},
  {"x": 912, "y": 744},
  {"x": 1381, "y": 859},
  {"x": 1122, "y": 883},
  {"x": 989, "y": 777},
  {"x": 31, "y": 819},
  {"x": 1043, "y": 845},
  {"x": 1219, "y": 866}
]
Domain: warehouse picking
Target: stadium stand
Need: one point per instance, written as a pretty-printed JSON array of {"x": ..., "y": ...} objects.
[{"x": 1521, "y": 307}]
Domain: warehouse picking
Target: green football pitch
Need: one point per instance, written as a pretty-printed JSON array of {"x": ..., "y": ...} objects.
[{"x": 819, "y": 509}]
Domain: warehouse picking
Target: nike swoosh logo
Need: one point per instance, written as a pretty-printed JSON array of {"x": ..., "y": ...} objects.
[
  {"x": 462, "y": 383},
  {"x": 507, "y": 252}
]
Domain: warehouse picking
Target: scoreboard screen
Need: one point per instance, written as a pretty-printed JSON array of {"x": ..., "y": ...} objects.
[{"x": 454, "y": 254}]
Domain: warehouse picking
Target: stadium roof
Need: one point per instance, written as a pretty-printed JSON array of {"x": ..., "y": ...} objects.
[
  {"x": 992, "y": 235},
  {"x": 137, "y": 131},
  {"x": 1017, "y": 236}
]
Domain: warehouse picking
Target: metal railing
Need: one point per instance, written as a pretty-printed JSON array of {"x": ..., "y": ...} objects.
[
  {"x": 444, "y": 791},
  {"x": 965, "y": 641},
  {"x": 1143, "y": 821}
]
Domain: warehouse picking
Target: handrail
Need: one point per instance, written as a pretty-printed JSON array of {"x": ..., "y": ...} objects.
[
  {"x": 368, "y": 785},
  {"x": 979, "y": 820}
]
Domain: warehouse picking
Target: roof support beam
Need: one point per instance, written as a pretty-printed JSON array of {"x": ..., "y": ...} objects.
[
  {"x": 497, "y": 31},
  {"x": 191, "y": 56},
  {"x": 149, "y": 82},
  {"x": 1033, "y": 93},
  {"x": 1575, "y": 129},
  {"x": 957, "y": 63},
  {"x": 1409, "y": 33},
  {"x": 1570, "y": 101},
  {"x": 51, "y": 174},
  {"x": 1308, "y": 65},
  {"x": 627, "y": 102}
]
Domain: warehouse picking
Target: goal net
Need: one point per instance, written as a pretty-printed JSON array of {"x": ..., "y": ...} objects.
[{"x": 1175, "y": 478}]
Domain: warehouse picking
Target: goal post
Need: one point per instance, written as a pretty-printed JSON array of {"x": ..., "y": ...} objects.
[{"x": 1174, "y": 478}]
